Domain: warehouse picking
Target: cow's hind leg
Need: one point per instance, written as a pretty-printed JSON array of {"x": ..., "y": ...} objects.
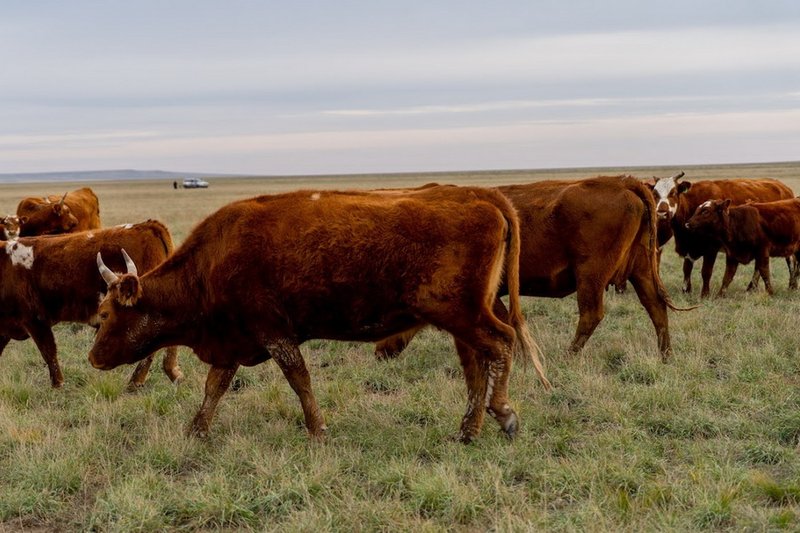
[
  {"x": 753, "y": 285},
  {"x": 140, "y": 373},
  {"x": 288, "y": 357},
  {"x": 731, "y": 265},
  {"x": 217, "y": 382},
  {"x": 656, "y": 307},
  {"x": 170, "y": 364},
  {"x": 3, "y": 343},
  {"x": 688, "y": 266},
  {"x": 42, "y": 335},
  {"x": 762, "y": 263},
  {"x": 794, "y": 270},
  {"x": 391, "y": 347},
  {"x": 590, "y": 310}
]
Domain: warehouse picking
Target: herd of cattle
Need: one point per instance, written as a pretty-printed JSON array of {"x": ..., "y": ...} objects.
[{"x": 259, "y": 277}]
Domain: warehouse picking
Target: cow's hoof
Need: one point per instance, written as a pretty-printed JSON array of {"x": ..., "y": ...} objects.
[{"x": 511, "y": 425}]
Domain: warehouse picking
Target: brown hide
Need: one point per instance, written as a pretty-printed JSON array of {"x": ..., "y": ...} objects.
[
  {"x": 79, "y": 211},
  {"x": 260, "y": 276},
  {"x": 758, "y": 230},
  {"x": 582, "y": 236},
  {"x": 50, "y": 279},
  {"x": 684, "y": 197}
]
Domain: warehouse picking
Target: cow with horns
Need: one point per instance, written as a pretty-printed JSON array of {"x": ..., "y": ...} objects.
[
  {"x": 46, "y": 280},
  {"x": 75, "y": 211},
  {"x": 582, "y": 236},
  {"x": 261, "y": 276},
  {"x": 676, "y": 202}
]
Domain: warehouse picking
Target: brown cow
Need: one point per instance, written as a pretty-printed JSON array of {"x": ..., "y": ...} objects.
[
  {"x": 9, "y": 226},
  {"x": 752, "y": 231},
  {"x": 50, "y": 279},
  {"x": 259, "y": 277},
  {"x": 75, "y": 211},
  {"x": 583, "y": 236},
  {"x": 676, "y": 202}
]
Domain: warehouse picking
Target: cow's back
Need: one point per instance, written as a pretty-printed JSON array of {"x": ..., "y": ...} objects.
[
  {"x": 84, "y": 205},
  {"x": 738, "y": 191}
]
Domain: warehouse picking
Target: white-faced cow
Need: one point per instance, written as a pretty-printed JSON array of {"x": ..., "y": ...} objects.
[
  {"x": 75, "y": 211},
  {"x": 582, "y": 236},
  {"x": 50, "y": 279},
  {"x": 751, "y": 231},
  {"x": 259, "y": 277},
  {"x": 676, "y": 201}
]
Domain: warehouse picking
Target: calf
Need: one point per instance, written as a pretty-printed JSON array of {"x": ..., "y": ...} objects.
[
  {"x": 752, "y": 231},
  {"x": 259, "y": 277},
  {"x": 75, "y": 211},
  {"x": 676, "y": 202},
  {"x": 10, "y": 225},
  {"x": 581, "y": 236},
  {"x": 46, "y": 280}
]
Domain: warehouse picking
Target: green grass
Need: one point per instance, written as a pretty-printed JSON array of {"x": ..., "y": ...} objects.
[{"x": 708, "y": 441}]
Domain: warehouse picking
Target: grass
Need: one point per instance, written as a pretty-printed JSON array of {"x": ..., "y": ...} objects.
[{"x": 623, "y": 442}]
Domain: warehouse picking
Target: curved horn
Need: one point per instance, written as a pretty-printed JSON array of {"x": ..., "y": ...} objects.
[
  {"x": 108, "y": 276},
  {"x": 678, "y": 176},
  {"x": 63, "y": 198},
  {"x": 131, "y": 266}
]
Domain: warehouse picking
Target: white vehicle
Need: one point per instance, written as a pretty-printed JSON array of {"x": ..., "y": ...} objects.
[{"x": 194, "y": 183}]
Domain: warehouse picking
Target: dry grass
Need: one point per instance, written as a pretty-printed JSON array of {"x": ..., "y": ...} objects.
[{"x": 623, "y": 442}]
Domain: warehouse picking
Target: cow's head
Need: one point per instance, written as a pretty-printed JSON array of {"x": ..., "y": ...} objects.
[
  {"x": 11, "y": 226},
  {"x": 49, "y": 219},
  {"x": 123, "y": 335},
  {"x": 666, "y": 192},
  {"x": 710, "y": 217}
]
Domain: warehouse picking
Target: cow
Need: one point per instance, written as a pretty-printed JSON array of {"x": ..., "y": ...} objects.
[
  {"x": 582, "y": 236},
  {"x": 9, "y": 226},
  {"x": 676, "y": 202},
  {"x": 758, "y": 230},
  {"x": 259, "y": 277},
  {"x": 49, "y": 279},
  {"x": 75, "y": 211}
]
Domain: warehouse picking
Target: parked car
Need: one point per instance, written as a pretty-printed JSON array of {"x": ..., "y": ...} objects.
[{"x": 194, "y": 183}]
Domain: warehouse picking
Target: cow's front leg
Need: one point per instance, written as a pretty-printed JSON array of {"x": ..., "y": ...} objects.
[
  {"x": 288, "y": 357},
  {"x": 762, "y": 263},
  {"x": 753, "y": 285},
  {"x": 731, "y": 265},
  {"x": 217, "y": 382},
  {"x": 705, "y": 272},
  {"x": 688, "y": 266},
  {"x": 42, "y": 335}
]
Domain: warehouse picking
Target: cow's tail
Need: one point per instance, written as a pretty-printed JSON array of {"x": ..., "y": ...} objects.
[
  {"x": 163, "y": 235},
  {"x": 636, "y": 187},
  {"x": 525, "y": 347}
]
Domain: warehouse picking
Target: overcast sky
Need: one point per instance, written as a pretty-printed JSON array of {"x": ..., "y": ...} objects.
[{"x": 308, "y": 87}]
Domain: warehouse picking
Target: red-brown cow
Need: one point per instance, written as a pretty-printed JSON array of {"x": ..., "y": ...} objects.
[
  {"x": 582, "y": 236},
  {"x": 9, "y": 226},
  {"x": 75, "y": 211},
  {"x": 50, "y": 279},
  {"x": 259, "y": 277},
  {"x": 752, "y": 231},
  {"x": 676, "y": 202}
]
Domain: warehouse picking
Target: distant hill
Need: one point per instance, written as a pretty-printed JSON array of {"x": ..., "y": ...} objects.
[{"x": 102, "y": 175}]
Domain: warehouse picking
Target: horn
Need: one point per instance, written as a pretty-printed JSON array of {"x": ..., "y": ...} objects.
[
  {"x": 108, "y": 276},
  {"x": 129, "y": 263},
  {"x": 63, "y": 198},
  {"x": 678, "y": 176}
]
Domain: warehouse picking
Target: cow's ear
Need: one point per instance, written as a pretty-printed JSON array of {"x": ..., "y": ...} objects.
[
  {"x": 684, "y": 186},
  {"x": 651, "y": 185},
  {"x": 57, "y": 209},
  {"x": 23, "y": 219},
  {"x": 725, "y": 205},
  {"x": 130, "y": 290}
]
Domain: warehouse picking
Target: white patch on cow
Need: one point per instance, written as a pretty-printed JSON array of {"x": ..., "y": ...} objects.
[
  {"x": 315, "y": 196},
  {"x": 125, "y": 226},
  {"x": 661, "y": 192},
  {"x": 20, "y": 254},
  {"x": 90, "y": 235},
  {"x": 707, "y": 203}
]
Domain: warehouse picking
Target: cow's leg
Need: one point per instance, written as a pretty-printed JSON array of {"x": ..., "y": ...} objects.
[
  {"x": 217, "y": 382},
  {"x": 753, "y": 285},
  {"x": 688, "y": 265},
  {"x": 42, "y": 335},
  {"x": 475, "y": 378},
  {"x": 290, "y": 360},
  {"x": 140, "y": 373},
  {"x": 762, "y": 263},
  {"x": 170, "y": 364},
  {"x": 791, "y": 264},
  {"x": 731, "y": 265},
  {"x": 590, "y": 310},
  {"x": 645, "y": 286},
  {"x": 705, "y": 272},
  {"x": 3, "y": 343},
  {"x": 391, "y": 347}
]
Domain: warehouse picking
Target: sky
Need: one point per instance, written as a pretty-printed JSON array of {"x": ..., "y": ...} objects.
[{"x": 325, "y": 87}]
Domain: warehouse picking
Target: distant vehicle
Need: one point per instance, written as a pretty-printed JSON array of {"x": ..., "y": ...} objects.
[{"x": 194, "y": 183}]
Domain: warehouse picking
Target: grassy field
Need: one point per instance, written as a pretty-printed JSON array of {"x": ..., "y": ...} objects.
[{"x": 623, "y": 442}]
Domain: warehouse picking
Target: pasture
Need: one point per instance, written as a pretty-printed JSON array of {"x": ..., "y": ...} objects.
[{"x": 623, "y": 442}]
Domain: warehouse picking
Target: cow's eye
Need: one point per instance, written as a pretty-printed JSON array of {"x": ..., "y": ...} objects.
[{"x": 104, "y": 315}]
